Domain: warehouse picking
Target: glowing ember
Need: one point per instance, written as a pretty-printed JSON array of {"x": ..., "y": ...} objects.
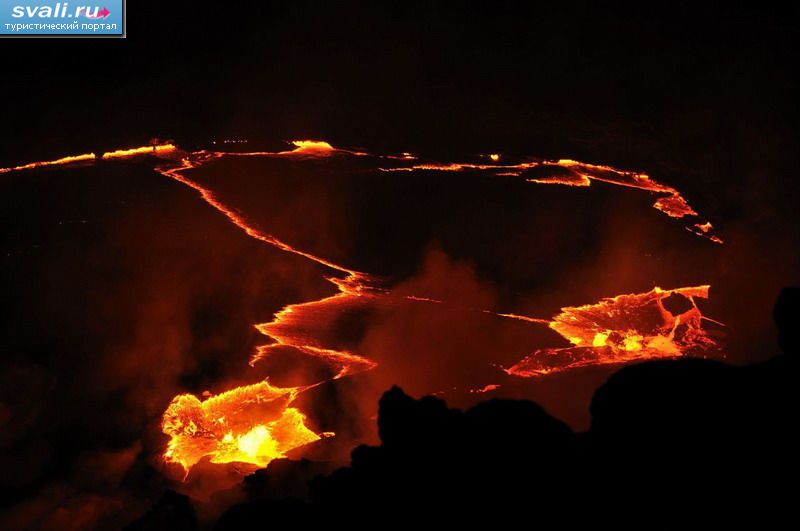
[
  {"x": 251, "y": 424},
  {"x": 674, "y": 206},
  {"x": 485, "y": 389},
  {"x": 705, "y": 230},
  {"x": 622, "y": 329}
]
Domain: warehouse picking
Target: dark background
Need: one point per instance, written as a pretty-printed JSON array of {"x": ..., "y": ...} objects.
[
  {"x": 667, "y": 77},
  {"x": 703, "y": 96}
]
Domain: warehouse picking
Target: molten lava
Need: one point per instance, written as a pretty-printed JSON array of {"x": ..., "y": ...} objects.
[
  {"x": 58, "y": 162},
  {"x": 622, "y": 329},
  {"x": 311, "y": 147},
  {"x": 256, "y": 423},
  {"x": 573, "y": 173},
  {"x": 249, "y": 424},
  {"x": 159, "y": 149},
  {"x": 354, "y": 286}
]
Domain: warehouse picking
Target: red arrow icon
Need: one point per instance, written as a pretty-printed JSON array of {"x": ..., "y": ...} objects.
[{"x": 103, "y": 13}]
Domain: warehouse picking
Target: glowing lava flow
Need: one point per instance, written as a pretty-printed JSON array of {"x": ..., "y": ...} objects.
[
  {"x": 249, "y": 424},
  {"x": 58, "y": 162},
  {"x": 354, "y": 285},
  {"x": 257, "y": 423},
  {"x": 622, "y": 329},
  {"x": 256, "y": 439},
  {"x": 158, "y": 149},
  {"x": 618, "y": 330},
  {"x": 570, "y": 172}
]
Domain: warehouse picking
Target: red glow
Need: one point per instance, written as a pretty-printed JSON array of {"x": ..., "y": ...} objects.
[
  {"x": 248, "y": 424},
  {"x": 622, "y": 329},
  {"x": 257, "y": 423}
]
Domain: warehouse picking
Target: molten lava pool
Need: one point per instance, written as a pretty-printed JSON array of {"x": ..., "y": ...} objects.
[{"x": 481, "y": 275}]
